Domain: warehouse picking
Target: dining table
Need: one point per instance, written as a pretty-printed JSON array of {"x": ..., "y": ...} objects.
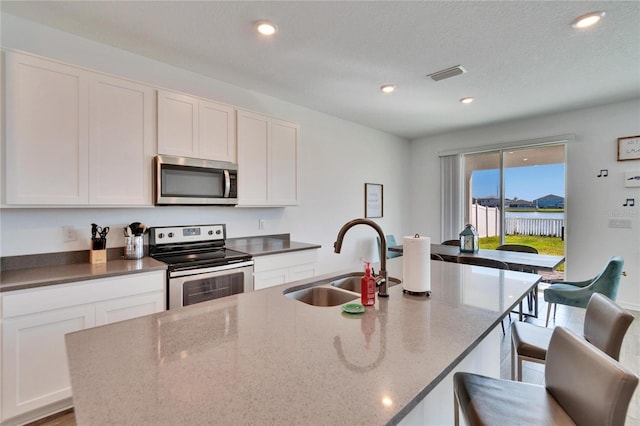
[{"x": 514, "y": 259}]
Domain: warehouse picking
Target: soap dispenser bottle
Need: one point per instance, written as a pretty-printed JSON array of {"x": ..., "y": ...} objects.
[{"x": 368, "y": 287}]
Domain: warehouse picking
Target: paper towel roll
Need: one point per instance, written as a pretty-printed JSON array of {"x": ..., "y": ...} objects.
[{"x": 416, "y": 265}]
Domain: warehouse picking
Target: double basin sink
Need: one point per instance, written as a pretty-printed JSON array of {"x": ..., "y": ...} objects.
[{"x": 331, "y": 292}]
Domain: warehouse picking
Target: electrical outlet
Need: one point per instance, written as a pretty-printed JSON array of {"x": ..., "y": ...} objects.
[
  {"x": 261, "y": 224},
  {"x": 69, "y": 234}
]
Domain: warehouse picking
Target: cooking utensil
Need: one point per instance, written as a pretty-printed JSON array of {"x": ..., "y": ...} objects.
[
  {"x": 138, "y": 229},
  {"x": 103, "y": 232}
]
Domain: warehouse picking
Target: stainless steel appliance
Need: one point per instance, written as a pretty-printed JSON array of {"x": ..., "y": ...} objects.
[
  {"x": 181, "y": 180},
  {"x": 200, "y": 267}
]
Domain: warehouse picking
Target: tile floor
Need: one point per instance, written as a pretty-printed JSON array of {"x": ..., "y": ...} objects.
[{"x": 573, "y": 318}]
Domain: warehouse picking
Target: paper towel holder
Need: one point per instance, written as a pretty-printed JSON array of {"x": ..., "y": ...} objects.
[{"x": 416, "y": 293}]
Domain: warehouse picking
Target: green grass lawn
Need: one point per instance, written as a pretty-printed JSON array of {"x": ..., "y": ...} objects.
[{"x": 546, "y": 245}]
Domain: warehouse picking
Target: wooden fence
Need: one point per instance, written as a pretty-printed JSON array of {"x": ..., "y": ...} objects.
[{"x": 487, "y": 222}]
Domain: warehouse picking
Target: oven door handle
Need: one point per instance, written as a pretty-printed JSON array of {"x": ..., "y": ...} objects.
[
  {"x": 184, "y": 273},
  {"x": 227, "y": 184}
]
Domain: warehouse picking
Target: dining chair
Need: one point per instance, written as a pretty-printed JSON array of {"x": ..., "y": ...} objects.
[
  {"x": 451, "y": 243},
  {"x": 490, "y": 263},
  {"x": 583, "y": 386},
  {"x": 391, "y": 241},
  {"x": 532, "y": 297},
  {"x": 482, "y": 261},
  {"x": 578, "y": 293},
  {"x": 605, "y": 325}
]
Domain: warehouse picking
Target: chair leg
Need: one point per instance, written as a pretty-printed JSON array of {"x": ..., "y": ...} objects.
[
  {"x": 513, "y": 360},
  {"x": 519, "y": 369},
  {"x": 456, "y": 410},
  {"x": 548, "y": 313},
  {"x": 502, "y": 325},
  {"x": 520, "y": 311},
  {"x": 555, "y": 308}
]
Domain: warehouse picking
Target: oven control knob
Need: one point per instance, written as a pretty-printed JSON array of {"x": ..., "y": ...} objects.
[
  {"x": 170, "y": 235},
  {"x": 161, "y": 235},
  {"x": 210, "y": 232},
  {"x": 218, "y": 232}
]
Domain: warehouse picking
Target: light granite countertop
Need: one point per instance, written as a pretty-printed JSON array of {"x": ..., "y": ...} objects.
[
  {"x": 20, "y": 279},
  {"x": 268, "y": 244},
  {"x": 263, "y": 358},
  {"x": 36, "y": 271}
]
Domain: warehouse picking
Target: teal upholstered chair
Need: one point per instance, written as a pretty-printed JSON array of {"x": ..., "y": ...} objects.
[
  {"x": 578, "y": 293},
  {"x": 391, "y": 241}
]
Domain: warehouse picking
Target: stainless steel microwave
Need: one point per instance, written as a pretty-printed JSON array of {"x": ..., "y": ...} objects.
[{"x": 193, "y": 181}]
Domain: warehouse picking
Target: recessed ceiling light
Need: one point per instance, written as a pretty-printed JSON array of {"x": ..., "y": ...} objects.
[
  {"x": 467, "y": 100},
  {"x": 388, "y": 88},
  {"x": 266, "y": 28},
  {"x": 587, "y": 20}
]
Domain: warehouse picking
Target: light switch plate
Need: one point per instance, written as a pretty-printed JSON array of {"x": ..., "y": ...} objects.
[{"x": 620, "y": 223}]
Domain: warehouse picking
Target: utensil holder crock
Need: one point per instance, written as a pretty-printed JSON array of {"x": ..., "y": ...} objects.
[{"x": 133, "y": 247}]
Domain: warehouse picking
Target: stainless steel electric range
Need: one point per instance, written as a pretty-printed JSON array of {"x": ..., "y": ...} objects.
[{"x": 200, "y": 267}]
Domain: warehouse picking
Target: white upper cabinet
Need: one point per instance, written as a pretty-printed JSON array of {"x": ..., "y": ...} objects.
[
  {"x": 267, "y": 161},
  {"x": 283, "y": 162},
  {"x": 122, "y": 141},
  {"x": 217, "y": 131},
  {"x": 253, "y": 155},
  {"x": 196, "y": 128},
  {"x": 74, "y": 137},
  {"x": 46, "y": 132},
  {"x": 177, "y": 124}
]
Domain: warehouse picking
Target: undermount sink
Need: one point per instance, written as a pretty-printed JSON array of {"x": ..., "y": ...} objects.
[
  {"x": 352, "y": 282},
  {"x": 322, "y": 296},
  {"x": 331, "y": 292}
]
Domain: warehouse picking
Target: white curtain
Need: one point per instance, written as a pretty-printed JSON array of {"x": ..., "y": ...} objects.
[{"x": 451, "y": 197}]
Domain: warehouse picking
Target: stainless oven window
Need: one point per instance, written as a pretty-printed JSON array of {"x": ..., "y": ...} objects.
[
  {"x": 184, "y": 181},
  {"x": 194, "y": 286},
  {"x": 201, "y": 290}
]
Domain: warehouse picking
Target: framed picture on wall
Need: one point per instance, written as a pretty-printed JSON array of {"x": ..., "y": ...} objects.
[
  {"x": 629, "y": 148},
  {"x": 373, "y": 200}
]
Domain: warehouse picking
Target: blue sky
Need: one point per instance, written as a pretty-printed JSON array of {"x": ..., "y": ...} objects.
[{"x": 526, "y": 183}]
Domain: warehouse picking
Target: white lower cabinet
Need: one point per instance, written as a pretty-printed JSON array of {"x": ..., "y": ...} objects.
[
  {"x": 35, "y": 376},
  {"x": 35, "y": 372},
  {"x": 276, "y": 269},
  {"x": 129, "y": 307}
]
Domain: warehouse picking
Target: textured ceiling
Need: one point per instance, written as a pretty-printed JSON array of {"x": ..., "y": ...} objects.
[{"x": 522, "y": 57}]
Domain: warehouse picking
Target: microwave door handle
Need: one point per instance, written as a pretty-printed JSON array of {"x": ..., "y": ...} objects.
[{"x": 227, "y": 184}]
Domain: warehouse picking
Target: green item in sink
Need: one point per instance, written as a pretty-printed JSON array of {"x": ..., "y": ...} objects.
[{"x": 353, "y": 308}]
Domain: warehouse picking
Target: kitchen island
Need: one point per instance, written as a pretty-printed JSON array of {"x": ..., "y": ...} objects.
[{"x": 264, "y": 358}]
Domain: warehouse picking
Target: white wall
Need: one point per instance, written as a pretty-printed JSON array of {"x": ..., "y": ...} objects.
[
  {"x": 591, "y": 201},
  {"x": 336, "y": 159}
]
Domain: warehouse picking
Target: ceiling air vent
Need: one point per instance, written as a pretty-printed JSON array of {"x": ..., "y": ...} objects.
[{"x": 447, "y": 73}]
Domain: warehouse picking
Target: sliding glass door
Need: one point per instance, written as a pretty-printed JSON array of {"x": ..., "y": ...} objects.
[{"x": 517, "y": 196}]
